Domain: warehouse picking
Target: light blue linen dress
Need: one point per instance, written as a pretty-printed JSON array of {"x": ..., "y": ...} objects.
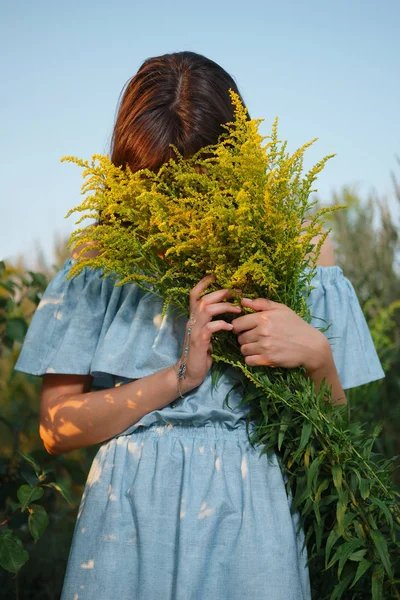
[{"x": 180, "y": 506}]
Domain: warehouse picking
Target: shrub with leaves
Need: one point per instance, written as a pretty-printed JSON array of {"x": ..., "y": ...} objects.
[
  {"x": 367, "y": 246},
  {"x": 36, "y": 522},
  {"x": 241, "y": 210}
]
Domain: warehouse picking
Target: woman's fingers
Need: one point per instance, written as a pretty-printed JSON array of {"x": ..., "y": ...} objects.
[
  {"x": 256, "y": 360},
  {"x": 261, "y": 304},
  {"x": 216, "y": 296},
  {"x": 220, "y": 325},
  {"x": 246, "y": 322},
  {"x": 201, "y": 287},
  {"x": 252, "y": 335},
  {"x": 212, "y": 297},
  {"x": 250, "y": 349},
  {"x": 210, "y": 310}
]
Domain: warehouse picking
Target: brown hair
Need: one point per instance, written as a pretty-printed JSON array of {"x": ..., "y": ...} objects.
[{"x": 180, "y": 98}]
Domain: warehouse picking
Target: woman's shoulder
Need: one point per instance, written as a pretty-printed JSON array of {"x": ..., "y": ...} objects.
[
  {"x": 91, "y": 253},
  {"x": 80, "y": 317},
  {"x": 326, "y": 257}
]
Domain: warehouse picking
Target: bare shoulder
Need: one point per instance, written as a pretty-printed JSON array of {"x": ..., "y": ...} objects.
[{"x": 326, "y": 256}]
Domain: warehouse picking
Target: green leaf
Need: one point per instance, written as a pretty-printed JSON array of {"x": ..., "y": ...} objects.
[
  {"x": 317, "y": 513},
  {"x": 7, "y": 286},
  {"x": 384, "y": 509},
  {"x": 16, "y": 329},
  {"x": 377, "y": 583},
  {"x": 38, "y": 279},
  {"x": 364, "y": 488},
  {"x": 233, "y": 389},
  {"x": 321, "y": 488},
  {"x": 12, "y": 552},
  {"x": 332, "y": 538},
  {"x": 302, "y": 493},
  {"x": 340, "y": 513},
  {"x": 35, "y": 466},
  {"x": 29, "y": 477},
  {"x": 285, "y": 422},
  {"x": 27, "y": 494},
  {"x": 313, "y": 470},
  {"x": 358, "y": 556},
  {"x": 362, "y": 568},
  {"x": 337, "y": 476},
  {"x": 60, "y": 488},
  {"x": 37, "y": 521},
  {"x": 217, "y": 371},
  {"x": 305, "y": 434},
  {"x": 382, "y": 549},
  {"x": 341, "y": 587},
  {"x": 345, "y": 551}
]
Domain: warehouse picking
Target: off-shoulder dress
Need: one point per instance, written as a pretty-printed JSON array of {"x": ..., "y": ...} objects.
[{"x": 180, "y": 506}]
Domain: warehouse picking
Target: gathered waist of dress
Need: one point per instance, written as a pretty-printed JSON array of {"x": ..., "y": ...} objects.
[{"x": 209, "y": 430}]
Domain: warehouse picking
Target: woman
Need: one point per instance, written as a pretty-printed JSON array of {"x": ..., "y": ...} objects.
[{"x": 177, "y": 504}]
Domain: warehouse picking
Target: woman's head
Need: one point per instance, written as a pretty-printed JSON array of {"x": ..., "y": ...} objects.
[{"x": 181, "y": 99}]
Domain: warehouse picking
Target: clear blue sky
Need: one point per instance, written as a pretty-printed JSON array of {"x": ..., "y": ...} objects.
[{"x": 328, "y": 69}]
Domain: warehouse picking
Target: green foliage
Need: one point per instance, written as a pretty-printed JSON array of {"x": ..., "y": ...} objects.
[
  {"x": 367, "y": 246},
  {"x": 33, "y": 484},
  {"x": 239, "y": 210}
]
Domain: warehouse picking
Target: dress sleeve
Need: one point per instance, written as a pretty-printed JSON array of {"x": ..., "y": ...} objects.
[
  {"x": 87, "y": 325},
  {"x": 65, "y": 328},
  {"x": 334, "y": 302}
]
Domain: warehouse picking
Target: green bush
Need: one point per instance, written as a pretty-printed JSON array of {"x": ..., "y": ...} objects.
[{"x": 39, "y": 493}]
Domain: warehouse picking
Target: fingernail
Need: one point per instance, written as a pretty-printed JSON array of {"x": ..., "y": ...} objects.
[{"x": 247, "y": 299}]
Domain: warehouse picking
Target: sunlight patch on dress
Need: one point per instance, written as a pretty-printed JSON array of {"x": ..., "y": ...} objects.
[
  {"x": 204, "y": 511},
  {"x": 218, "y": 463},
  {"x": 135, "y": 449},
  {"x": 45, "y": 301},
  {"x": 157, "y": 320},
  {"x": 243, "y": 467},
  {"x": 160, "y": 430},
  {"x": 111, "y": 496},
  {"x": 88, "y": 565},
  {"x": 95, "y": 472}
]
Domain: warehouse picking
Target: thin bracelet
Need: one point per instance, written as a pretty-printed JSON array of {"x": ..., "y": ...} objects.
[
  {"x": 178, "y": 380},
  {"x": 181, "y": 372}
]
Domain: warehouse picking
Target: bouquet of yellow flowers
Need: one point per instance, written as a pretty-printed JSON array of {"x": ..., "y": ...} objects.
[{"x": 241, "y": 210}]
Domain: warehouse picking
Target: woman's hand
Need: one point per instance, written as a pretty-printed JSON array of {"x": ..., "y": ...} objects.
[
  {"x": 276, "y": 336},
  {"x": 202, "y": 310}
]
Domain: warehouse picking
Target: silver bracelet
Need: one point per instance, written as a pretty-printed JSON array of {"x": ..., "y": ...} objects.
[{"x": 181, "y": 372}]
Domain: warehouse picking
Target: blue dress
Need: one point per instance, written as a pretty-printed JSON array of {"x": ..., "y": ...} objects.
[{"x": 180, "y": 506}]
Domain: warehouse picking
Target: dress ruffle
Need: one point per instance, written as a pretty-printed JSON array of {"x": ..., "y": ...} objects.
[
  {"x": 333, "y": 302},
  {"x": 86, "y": 325}
]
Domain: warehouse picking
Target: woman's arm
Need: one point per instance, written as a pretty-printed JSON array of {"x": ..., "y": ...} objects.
[
  {"x": 328, "y": 370},
  {"x": 72, "y": 416}
]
